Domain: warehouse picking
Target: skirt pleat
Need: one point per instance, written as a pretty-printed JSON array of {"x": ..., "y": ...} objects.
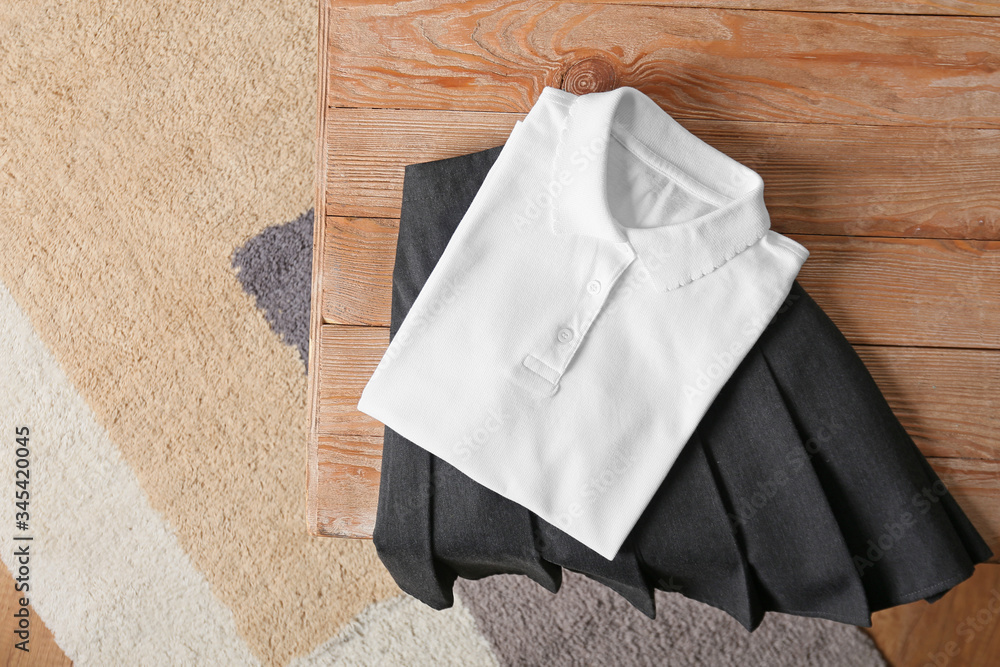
[
  {"x": 478, "y": 533},
  {"x": 907, "y": 537},
  {"x": 623, "y": 574},
  {"x": 789, "y": 534},
  {"x": 799, "y": 492},
  {"x": 404, "y": 521},
  {"x": 685, "y": 542}
]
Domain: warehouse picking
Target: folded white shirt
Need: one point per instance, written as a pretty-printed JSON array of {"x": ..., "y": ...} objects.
[{"x": 609, "y": 276}]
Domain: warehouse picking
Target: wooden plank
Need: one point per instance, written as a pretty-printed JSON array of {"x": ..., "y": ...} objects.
[
  {"x": 369, "y": 148},
  {"x": 948, "y": 400},
  {"x": 486, "y": 55},
  {"x": 349, "y": 359},
  {"x": 975, "y": 484},
  {"x": 925, "y": 292},
  {"x": 853, "y": 180},
  {"x": 819, "y": 179},
  {"x": 319, "y": 272},
  {"x": 917, "y": 7},
  {"x": 357, "y": 269},
  {"x": 348, "y": 472},
  {"x": 357, "y": 288},
  {"x": 921, "y": 7}
]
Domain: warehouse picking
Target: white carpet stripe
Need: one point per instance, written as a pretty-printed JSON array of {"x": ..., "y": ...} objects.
[
  {"x": 108, "y": 576},
  {"x": 405, "y": 632}
]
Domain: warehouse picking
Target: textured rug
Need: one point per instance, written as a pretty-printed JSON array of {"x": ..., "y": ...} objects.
[{"x": 156, "y": 182}]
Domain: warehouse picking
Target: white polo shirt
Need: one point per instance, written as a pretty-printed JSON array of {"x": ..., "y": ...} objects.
[{"x": 609, "y": 276}]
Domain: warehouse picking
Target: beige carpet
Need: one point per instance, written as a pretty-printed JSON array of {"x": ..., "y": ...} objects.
[{"x": 141, "y": 145}]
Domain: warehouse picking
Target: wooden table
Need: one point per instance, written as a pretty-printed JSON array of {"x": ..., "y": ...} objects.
[{"x": 878, "y": 138}]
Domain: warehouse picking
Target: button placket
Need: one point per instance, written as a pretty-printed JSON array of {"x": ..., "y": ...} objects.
[{"x": 570, "y": 333}]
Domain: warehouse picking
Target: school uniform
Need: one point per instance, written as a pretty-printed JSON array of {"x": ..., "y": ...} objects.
[
  {"x": 607, "y": 278},
  {"x": 794, "y": 490}
]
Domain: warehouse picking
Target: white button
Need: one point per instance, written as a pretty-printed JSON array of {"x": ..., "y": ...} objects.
[
  {"x": 594, "y": 286},
  {"x": 565, "y": 335}
]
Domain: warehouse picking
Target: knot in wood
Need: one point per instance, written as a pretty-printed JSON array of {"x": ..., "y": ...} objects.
[{"x": 590, "y": 75}]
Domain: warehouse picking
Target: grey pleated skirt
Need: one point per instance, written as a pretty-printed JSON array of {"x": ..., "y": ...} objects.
[{"x": 800, "y": 492}]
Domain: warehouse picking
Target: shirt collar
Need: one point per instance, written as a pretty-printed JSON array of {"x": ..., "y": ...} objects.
[{"x": 673, "y": 254}]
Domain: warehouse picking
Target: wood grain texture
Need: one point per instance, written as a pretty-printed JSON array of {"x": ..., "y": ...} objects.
[
  {"x": 975, "y": 484},
  {"x": 819, "y": 179},
  {"x": 357, "y": 269},
  {"x": 919, "y": 7},
  {"x": 350, "y": 355},
  {"x": 489, "y": 55},
  {"x": 926, "y": 292},
  {"x": 927, "y": 389},
  {"x": 921, "y": 633},
  {"x": 948, "y": 400},
  {"x": 319, "y": 272},
  {"x": 369, "y": 148},
  {"x": 861, "y": 126},
  {"x": 348, "y": 471},
  {"x": 923, "y": 7},
  {"x": 359, "y": 295}
]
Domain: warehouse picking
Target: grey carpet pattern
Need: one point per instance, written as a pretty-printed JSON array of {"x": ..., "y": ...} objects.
[
  {"x": 585, "y": 623},
  {"x": 275, "y": 267}
]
